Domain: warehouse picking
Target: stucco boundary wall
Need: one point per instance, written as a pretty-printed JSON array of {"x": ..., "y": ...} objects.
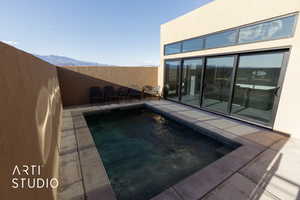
[
  {"x": 75, "y": 81},
  {"x": 30, "y": 122}
]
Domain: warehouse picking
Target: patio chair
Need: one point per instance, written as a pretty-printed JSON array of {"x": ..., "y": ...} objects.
[
  {"x": 109, "y": 93},
  {"x": 96, "y": 95},
  {"x": 153, "y": 91},
  {"x": 134, "y": 93},
  {"x": 123, "y": 92}
]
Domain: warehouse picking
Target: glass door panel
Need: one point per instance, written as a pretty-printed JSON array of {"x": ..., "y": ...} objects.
[
  {"x": 191, "y": 81},
  {"x": 172, "y": 70},
  {"x": 217, "y": 83},
  {"x": 256, "y": 85}
]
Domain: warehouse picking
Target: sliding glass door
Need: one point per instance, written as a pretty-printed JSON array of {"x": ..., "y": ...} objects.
[
  {"x": 191, "y": 81},
  {"x": 244, "y": 85},
  {"x": 217, "y": 83},
  {"x": 172, "y": 79},
  {"x": 256, "y": 85}
]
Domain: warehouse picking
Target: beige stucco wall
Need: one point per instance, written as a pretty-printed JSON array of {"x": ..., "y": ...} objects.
[
  {"x": 30, "y": 119},
  {"x": 76, "y": 81},
  {"x": 224, "y": 14}
]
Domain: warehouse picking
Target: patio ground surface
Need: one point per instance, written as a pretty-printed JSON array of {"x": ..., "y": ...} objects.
[{"x": 266, "y": 166}]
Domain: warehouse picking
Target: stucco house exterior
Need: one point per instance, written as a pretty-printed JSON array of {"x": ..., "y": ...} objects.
[{"x": 236, "y": 58}]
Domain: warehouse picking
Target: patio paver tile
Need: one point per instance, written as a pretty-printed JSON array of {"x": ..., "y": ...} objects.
[
  {"x": 243, "y": 130},
  {"x": 236, "y": 187},
  {"x": 262, "y": 167},
  {"x": 173, "y": 108},
  {"x": 85, "y": 139},
  {"x": 67, "y": 126},
  {"x": 70, "y": 168},
  {"x": 67, "y": 132},
  {"x": 224, "y": 123},
  {"x": 199, "y": 116},
  {"x": 96, "y": 184},
  {"x": 263, "y": 138},
  {"x": 198, "y": 184},
  {"x": 73, "y": 192},
  {"x": 169, "y": 194},
  {"x": 68, "y": 144},
  {"x": 239, "y": 158}
]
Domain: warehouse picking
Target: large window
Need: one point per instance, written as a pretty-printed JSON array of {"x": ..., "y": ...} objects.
[
  {"x": 243, "y": 85},
  {"x": 172, "y": 79},
  {"x": 256, "y": 85},
  {"x": 273, "y": 29},
  {"x": 191, "y": 81},
  {"x": 269, "y": 30},
  {"x": 173, "y": 48},
  {"x": 221, "y": 39},
  {"x": 217, "y": 81},
  {"x": 192, "y": 45}
]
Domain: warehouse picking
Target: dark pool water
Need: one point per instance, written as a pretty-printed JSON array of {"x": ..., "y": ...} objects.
[{"x": 144, "y": 153}]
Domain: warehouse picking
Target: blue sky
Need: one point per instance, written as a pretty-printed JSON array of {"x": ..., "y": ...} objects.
[{"x": 120, "y": 32}]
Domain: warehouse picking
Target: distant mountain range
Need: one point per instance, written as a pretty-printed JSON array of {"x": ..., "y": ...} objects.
[{"x": 65, "y": 61}]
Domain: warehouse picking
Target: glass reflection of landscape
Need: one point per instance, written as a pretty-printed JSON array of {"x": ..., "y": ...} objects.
[
  {"x": 221, "y": 39},
  {"x": 191, "y": 78},
  {"x": 217, "y": 81},
  {"x": 269, "y": 30},
  {"x": 192, "y": 45},
  {"x": 256, "y": 85},
  {"x": 172, "y": 79},
  {"x": 172, "y": 48}
]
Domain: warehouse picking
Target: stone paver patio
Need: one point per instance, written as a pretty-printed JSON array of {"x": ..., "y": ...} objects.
[{"x": 265, "y": 166}]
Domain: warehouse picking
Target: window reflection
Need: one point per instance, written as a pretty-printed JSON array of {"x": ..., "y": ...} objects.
[
  {"x": 172, "y": 79},
  {"x": 256, "y": 85},
  {"x": 268, "y": 30},
  {"x": 192, "y": 45},
  {"x": 173, "y": 48},
  {"x": 191, "y": 80},
  {"x": 221, "y": 39},
  {"x": 272, "y": 29},
  {"x": 217, "y": 81}
]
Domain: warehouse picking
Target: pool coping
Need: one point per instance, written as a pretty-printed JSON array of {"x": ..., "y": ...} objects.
[{"x": 96, "y": 182}]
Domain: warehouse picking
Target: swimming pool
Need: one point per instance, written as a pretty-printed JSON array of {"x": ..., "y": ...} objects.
[{"x": 144, "y": 153}]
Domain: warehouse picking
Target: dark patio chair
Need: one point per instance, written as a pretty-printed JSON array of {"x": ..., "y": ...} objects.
[
  {"x": 96, "y": 95},
  {"x": 123, "y": 93},
  {"x": 110, "y": 93},
  {"x": 134, "y": 93}
]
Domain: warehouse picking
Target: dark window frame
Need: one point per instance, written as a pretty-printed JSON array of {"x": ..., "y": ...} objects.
[{"x": 285, "y": 49}]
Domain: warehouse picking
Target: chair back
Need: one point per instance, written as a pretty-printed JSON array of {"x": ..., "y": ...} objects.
[
  {"x": 156, "y": 89},
  {"x": 95, "y": 91},
  {"x": 147, "y": 88},
  {"x": 123, "y": 91},
  {"x": 109, "y": 91}
]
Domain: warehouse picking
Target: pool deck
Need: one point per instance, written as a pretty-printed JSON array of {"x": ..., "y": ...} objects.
[{"x": 265, "y": 166}]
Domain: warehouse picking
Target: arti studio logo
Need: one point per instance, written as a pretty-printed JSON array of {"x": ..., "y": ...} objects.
[{"x": 23, "y": 178}]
